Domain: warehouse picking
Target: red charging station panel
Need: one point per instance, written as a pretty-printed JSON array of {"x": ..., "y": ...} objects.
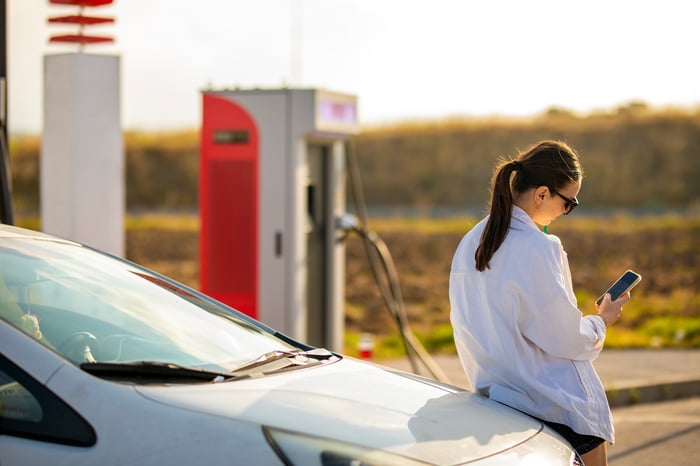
[{"x": 228, "y": 204}]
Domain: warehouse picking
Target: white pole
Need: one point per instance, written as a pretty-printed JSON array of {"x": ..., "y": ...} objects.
[{"x": 82, "y": 162}]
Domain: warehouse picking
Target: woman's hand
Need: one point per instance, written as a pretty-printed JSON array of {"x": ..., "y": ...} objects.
[{"x": 610, "y": 311}]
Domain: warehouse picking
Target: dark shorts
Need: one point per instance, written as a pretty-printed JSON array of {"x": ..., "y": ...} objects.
[{"x": 581, "y": 443}]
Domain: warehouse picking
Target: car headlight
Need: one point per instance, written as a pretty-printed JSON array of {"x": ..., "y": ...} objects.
[
  {"x": 295, "y": 449},
  {"x": 539, "y": 450}
]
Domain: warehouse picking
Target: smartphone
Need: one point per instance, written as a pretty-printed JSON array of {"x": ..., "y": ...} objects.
[{"x": 626, "y": 282}]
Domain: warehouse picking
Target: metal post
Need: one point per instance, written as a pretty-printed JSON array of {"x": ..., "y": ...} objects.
[{"x": 6, "y": 215}]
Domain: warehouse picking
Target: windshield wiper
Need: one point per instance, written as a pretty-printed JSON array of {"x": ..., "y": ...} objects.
[
  {"x": 165, "y": 372},
  {"x": 277, "y": 361},
  {"x": 153, "y": 371}
]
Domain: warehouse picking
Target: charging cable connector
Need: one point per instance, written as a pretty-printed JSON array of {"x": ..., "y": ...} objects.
[{"x": 347, "y": 222}]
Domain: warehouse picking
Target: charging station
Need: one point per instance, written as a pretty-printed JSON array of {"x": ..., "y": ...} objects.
[{"x": 272, "y": 186}]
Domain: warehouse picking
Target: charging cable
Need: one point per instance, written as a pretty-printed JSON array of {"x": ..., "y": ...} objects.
[{"x": 385, "y": 274}]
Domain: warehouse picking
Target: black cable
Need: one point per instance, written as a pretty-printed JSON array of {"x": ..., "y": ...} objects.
[
  {"x": 378, "y": 253},
  {"x": 374, "y": 255},
  {"x": 6, "y": 214},
  {"x": 386, "y": 275}
]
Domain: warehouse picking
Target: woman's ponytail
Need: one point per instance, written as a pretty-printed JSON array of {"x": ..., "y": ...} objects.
[
  {"x": 548, "y": 163},
  {"x": 499, "y": 214}
]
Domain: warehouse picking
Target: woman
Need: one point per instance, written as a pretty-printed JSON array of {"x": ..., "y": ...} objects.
[{"x": 519, "y": 333}]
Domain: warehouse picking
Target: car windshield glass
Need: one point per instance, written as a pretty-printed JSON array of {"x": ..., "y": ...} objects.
[{"x": 91, "y": 307}]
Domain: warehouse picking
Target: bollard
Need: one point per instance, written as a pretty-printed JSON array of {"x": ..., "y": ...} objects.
[{"x": 366, "y": 345}]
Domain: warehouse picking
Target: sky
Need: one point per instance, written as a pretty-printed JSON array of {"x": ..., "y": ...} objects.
[{"x": 403, "y": 59}]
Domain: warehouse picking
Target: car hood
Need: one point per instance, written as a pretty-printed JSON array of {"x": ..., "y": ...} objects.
[{"x": 364, "y": 404}]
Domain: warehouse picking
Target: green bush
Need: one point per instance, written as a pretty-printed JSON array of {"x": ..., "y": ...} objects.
[{"x": 673, "y": 331}]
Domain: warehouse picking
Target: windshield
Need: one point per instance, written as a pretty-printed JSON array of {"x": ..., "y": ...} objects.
[{"x": 94, "y": 308}]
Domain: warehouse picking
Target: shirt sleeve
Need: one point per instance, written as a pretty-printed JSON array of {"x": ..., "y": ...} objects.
[{"x": 549, "y": 316}]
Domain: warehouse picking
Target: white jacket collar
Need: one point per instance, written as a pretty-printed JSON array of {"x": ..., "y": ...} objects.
[{"x": 520, "y": 215}]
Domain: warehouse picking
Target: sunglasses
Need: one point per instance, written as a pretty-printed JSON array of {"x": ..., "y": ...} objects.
[{"x": 569, "y": 203}]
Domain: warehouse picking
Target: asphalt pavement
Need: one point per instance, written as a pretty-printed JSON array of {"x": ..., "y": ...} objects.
[
  {"x": 629, "y": 376},
  {"x": 655, "y": 399},
  {"x": 654, "y": 434}
]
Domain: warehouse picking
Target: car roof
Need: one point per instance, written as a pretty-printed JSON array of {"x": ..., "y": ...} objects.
[{"x": 10, "y": 231}]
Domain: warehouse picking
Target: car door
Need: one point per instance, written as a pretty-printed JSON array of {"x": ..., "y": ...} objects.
[{"x": 36, "y": 426}]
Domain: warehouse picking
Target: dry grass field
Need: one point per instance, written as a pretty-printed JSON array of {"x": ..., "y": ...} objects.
[
  {"x": 664, "y": 311},
  {"x": 634, "y": 156}
]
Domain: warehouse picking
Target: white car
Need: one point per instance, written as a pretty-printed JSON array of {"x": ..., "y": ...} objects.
[{"x": 107, "y": 363}]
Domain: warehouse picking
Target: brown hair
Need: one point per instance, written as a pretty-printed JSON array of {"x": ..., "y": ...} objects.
[{"x": 553, "y": 164}]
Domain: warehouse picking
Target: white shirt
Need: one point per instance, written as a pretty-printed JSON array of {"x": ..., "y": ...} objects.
[{"x": 519, "y": 333}]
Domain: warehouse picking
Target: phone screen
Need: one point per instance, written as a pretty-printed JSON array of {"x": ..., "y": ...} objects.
[{"x": 628, "y": 280}]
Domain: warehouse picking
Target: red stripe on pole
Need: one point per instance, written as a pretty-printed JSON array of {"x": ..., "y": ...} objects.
[
  {"x": 80, "y": 39},
  {"x": 80, "y": 19},
  {"x": 81, "y": 2}
]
